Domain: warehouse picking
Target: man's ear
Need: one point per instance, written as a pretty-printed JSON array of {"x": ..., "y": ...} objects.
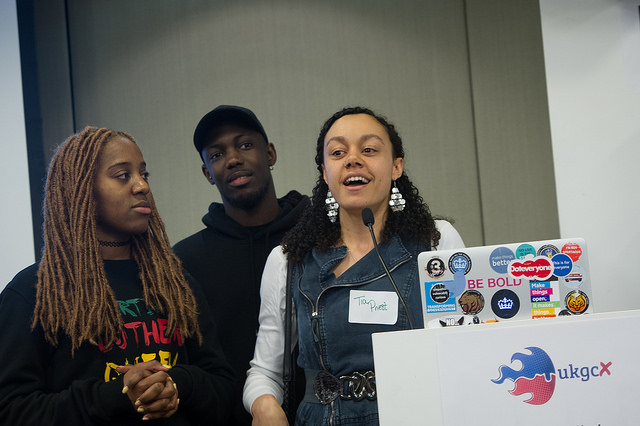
[
  {"x": 271, "y": 154},
  {"x": 205, "y": 172}
]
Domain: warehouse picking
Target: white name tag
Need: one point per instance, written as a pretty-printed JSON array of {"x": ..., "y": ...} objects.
[{"x": 373, "y": 307}]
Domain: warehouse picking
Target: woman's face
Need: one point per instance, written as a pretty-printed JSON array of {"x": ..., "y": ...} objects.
[
  {"x": 121, "y": 191},
  {"x": 358, "y": 163}
]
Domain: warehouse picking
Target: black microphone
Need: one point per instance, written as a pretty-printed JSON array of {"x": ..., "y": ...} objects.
[{"x": 368, "y": 220}]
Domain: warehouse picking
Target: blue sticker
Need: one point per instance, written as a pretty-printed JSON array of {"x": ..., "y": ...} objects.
[
  {"x": 548, "y": 250},
  {"x": 457, "y": 286},
  {"x": 439, "y": 298},
  {"x": 562, "y": 265},
  {"x": 540, "y": 299},
  {"x": 500, "y": 259},
  {"x": 459, "y": 262},
  {"x": 505, "y": 304},
  {"x": 525, "y": 249},
  {"x": 540, "y": 284}
]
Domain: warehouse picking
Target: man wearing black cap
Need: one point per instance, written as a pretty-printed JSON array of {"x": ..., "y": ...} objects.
[{"x": 228, "y": 256}]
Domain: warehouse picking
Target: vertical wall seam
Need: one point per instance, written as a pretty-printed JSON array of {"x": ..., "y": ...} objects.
[
  {"x": 70, "y": 67},
  {"x": 474, "y": 123}
]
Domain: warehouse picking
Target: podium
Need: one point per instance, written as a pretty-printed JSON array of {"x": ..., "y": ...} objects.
[{"x": 574, "y": 371}]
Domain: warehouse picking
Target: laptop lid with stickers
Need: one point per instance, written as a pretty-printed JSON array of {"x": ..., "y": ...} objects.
[{"x": 476, "y": 285}]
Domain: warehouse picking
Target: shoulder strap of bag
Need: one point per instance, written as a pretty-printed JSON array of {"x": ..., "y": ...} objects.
[{"x": 288, "y": 372}]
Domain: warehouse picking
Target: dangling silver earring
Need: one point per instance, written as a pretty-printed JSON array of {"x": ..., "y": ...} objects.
[
  {"x": 332, "y": 207},
  {"x": 271, "y": 168},
  {"x": 396, "y": 202}
]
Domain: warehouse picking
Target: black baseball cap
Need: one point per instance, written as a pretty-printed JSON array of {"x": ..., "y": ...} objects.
[{"x": 224, "y": 114}]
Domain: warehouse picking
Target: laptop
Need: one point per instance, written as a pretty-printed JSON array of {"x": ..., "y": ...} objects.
[{"x": 478, "y": 285}]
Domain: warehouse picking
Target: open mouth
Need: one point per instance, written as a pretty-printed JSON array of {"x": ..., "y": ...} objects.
[{"x": 355, "y": 181}]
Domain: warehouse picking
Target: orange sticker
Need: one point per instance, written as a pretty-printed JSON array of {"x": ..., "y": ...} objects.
[{"x": 577, "y": 302}]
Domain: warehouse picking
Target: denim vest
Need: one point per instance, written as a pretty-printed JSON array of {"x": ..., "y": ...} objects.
[{"x": 327, "y": 340}]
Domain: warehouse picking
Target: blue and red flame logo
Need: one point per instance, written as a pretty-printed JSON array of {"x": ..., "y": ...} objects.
[{"x": 536, "y": 377}]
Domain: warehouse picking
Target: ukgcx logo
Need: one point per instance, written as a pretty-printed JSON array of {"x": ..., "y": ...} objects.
[{"x": 537, "y": 375}]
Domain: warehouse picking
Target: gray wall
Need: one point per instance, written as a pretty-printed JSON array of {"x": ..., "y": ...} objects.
[
  {"x": 462, "y": 80},
  {"x": 592, "y": 56}
]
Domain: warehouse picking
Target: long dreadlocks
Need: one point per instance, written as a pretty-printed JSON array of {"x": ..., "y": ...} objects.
[{"x": 73, "y": 294}]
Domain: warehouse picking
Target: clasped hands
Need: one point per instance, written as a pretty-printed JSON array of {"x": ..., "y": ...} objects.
[{"x": 150, "y": 389}]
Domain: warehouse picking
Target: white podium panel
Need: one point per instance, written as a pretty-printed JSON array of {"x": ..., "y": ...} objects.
[{"x": 573, "y": 371}]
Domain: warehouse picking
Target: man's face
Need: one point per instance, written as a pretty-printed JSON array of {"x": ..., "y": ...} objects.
[{"x": 237, "y": 160}]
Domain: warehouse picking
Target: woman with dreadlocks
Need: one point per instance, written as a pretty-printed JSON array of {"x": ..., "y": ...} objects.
[
  {"x": 336, "y": 273},
  {"x": 106, "y": 329}
]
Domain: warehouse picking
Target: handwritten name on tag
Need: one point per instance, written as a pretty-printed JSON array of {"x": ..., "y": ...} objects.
[{"x": 373, "y": 307}]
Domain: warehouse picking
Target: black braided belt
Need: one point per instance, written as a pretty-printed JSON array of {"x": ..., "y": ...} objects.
[{"x": 324, "y": 387}]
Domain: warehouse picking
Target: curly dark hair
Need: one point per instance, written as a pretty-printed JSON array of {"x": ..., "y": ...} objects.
[{"x": 315, "y": 230}]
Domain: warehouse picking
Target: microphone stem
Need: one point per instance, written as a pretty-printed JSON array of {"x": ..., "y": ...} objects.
[{"x": 386, "y": 270}]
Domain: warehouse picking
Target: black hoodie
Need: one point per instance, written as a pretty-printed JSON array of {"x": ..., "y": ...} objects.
[
  {"x": 227, "y": 260},
  {"x": 41, "y": 384}
]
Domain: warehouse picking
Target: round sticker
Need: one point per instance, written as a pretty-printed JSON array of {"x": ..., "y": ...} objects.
[
  {"x": 548, "y": 250},
  {"x": 524, "y": 250},
  {"x": 471, "y": 302},
  {"x": 577, "y": 302},
  {"x": 460, "y": 262},
  {"x": 500, "y": 259},
  {"x": 573, "y": 250},
  {"x": 439, "y": 293},
  {"x": 562, "y": 265},
  {"x": 575, "y": 278},
  {"x": 505, "y": 304},
  {"x": 435, "y": 267}
]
